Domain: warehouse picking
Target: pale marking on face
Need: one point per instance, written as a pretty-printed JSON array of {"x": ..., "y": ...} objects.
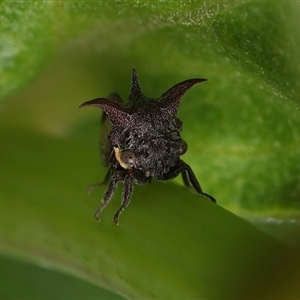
[{"x": 118, "y": 158}]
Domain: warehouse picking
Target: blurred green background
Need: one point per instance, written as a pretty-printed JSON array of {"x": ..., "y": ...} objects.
[{"x": 242, "y": 127}]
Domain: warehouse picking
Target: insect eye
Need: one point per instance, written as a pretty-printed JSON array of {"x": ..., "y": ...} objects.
[
  {"x": 128, "y": 158},
  {"x": 182, "y": 147}
]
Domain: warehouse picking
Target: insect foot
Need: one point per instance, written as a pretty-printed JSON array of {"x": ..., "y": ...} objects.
[{"x": 141, "y": 140}]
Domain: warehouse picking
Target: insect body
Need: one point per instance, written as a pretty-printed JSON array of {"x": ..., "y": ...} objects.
[{"x": 144, "y": 141}]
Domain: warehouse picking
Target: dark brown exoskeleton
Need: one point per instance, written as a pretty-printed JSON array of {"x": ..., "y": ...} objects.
[{"x": 144, "y": 141}]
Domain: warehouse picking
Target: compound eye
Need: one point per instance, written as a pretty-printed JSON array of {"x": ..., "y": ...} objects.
[
  {"x": 182, "y": 147},
  {"x": 127, "y": 158}
]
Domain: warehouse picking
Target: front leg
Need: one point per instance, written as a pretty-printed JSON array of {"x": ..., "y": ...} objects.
[
  {"x": 126, "y": 194},
  {"x": 116, "y": 177},
  {"x": 105, "y": 181},
  {"x": 132, "y": 176},
  {"x": 188, "y": 176}
]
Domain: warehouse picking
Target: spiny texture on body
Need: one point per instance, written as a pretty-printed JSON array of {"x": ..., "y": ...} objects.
[{"x": 144, "y": 141}]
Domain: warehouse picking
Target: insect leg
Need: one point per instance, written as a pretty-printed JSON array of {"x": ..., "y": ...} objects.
[
  {"x": 106, "y": 153},
  {"x": 107, "y": 196},
  {"x": 185, "y": 179},
  {"x": 103, "y": 182},
  {"x": 127, "y": 190},
  {"x": 195, "y": 183}
]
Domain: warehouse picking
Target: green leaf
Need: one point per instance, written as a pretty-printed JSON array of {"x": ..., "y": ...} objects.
[
  {"x": 20, "y": 280},
  {"x": 171, "y": 242},
  {"x": 242, "y": 127},
  {"x": 27, "y": 42}
]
